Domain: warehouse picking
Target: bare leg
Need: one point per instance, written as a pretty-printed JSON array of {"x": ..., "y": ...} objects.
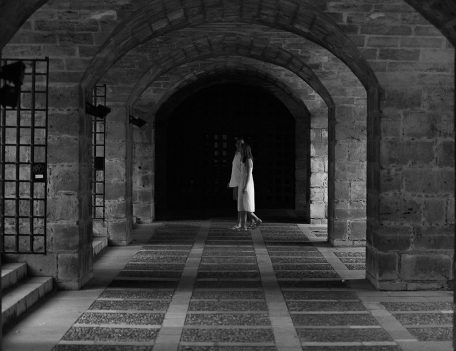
[
  {"x": 243, "y": 219},
  {"x": 255, "y": 218}
]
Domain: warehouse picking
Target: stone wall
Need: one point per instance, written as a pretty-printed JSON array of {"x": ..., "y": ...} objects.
[
  {"x": 411, "y": 247},
  {"x": 411, "y": 146}
]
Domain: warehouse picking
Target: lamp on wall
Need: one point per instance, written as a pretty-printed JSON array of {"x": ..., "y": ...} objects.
[
  {"x": 13, "y": 72},
  {"x": 97, "y": 111},
  {"x": 136, "y": 121}
]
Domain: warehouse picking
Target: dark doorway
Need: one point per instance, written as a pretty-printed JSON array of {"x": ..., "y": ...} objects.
[{"x": 195, "y": 148}]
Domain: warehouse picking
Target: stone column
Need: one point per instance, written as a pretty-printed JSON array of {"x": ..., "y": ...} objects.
[
  {"x": 349, "y": 144},
  {"x": 302, "y": 166},
  {"x": 143, "y": 171},
  {"x": 118, "y": 176}
]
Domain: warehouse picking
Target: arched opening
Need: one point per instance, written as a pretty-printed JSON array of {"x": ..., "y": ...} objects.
[{"x": 195, "y": 147}]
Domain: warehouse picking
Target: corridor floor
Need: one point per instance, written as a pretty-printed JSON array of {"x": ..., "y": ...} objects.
[{"x": 201, "y": 286}]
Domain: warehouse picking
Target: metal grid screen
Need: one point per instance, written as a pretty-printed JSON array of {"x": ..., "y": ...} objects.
[
  {"x": 24, "y": 133},
  {"x": 99, "y": 149}
]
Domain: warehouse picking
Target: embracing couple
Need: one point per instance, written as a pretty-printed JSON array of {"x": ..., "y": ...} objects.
[{"x": 243, "y": 189}]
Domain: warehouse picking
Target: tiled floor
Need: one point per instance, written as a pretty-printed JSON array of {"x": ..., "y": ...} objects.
[{"x": 201, "y": 286}]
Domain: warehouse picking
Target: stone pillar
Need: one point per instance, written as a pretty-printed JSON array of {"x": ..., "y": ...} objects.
[
  {"x": 118, "y": 176},
  {"x": 302, "y": 165},
  {"x": 319, "y": 167},
  {"x": 349, "y": 143},
  {"x": 143, "y": 172}
]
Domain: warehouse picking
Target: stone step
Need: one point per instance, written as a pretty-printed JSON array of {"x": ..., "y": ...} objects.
[
  {"x": 12, "y": 273},
  {"x": 22, "y": 297}
]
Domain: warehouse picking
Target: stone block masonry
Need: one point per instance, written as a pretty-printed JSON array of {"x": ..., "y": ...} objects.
[{"x": 409, "y": 197}]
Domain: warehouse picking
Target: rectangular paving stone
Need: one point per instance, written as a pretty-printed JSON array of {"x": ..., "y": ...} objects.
[
  {"x": 227, "y": 348},
  {"x": 229, "y": 242},
  {"x": 297, "y": 260},
  {"x": 292, "y": 247},
  {"x": 335, "y": 306},
  {"x": 110, "y": 334},
  {"x": 137, "y": 294},
  {"x": 330, "y": 284},
  {"x": 167, "y": 247},
  {"x": 295, "y": 254},
  {"x": 73, "y": 347},
  {"x": 221, "y": 250},
  {"x": 161, "y": 259},
  {"x": 424, "y": 318},
  {"x": 306, "y": 274},
  {"x": 302, "y": 243},
  {"x": 154, "y": 253},
  {"x": 227, "y": 294},
  {"x": 349, "y": 254},
  {"x": 333, "y": 319},
  {"x": 230, "y": 260},
  {"x": 359, "y": 260},
  {"x": 301, "y": 267},
  {"x": 353, "y": 348},
  {"x": 228, "y": 253},
  {"x": 212, "y": 319},
  {"x": 158, "y": 254},
  {"x": 432, "y": 334},
  {"x": 142, "y": 284},
  {"x": 227, "y": 335},
  {"x": 343, "y": 335},
  {"x": 228, "y": 284},
  {"x": 173, "y": 242},
  {"x": 319, "y": 295},
  {"x": 221, "y": 306},
  {"x": 418, "y": 306},
  {"x": 155, "y": 267},
  {"x": 150, "y": 274},
  {"x": 227, "y": 267},
  {"x": 228, "y": 275},
  {"x": 121, "y": 318},
  {"x": 356, "y": 267},
  {"x": 145, "y": 305}
]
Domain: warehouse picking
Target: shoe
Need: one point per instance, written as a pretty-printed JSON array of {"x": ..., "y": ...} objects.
[{"x": 236, "y": 227}]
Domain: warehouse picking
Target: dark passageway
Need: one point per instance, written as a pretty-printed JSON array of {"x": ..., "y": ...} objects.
[{"x": 195, "y": 148}]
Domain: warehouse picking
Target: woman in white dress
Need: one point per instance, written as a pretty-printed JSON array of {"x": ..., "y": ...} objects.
[{"x": 246, "y": 189}]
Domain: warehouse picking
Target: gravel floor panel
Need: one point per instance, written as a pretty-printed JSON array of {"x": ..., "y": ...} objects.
[
  {"x": 227, "y": 335},
  {"x": 432, "y": 334},
  {"x": 121, "y": 318},
  {"x": 418, "y": 306},
  {"x": 343, "y": 335},
  {"x": 227, "y": 294},
  {"x": 130, "y": 305},
  {"x": 212, "y": 319},
  {"x": 333, "y": 319},
  {"x": 228, "y": 306},
  {"x": 110, "y": 334},
  {"x": 424, "y": 318},
  {"x": 336, "y": 306},
  {"x": 137, "y": 294}
]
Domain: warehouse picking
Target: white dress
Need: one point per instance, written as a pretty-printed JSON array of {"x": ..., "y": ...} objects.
[
  {"x": 235, "y": 171},
  {"x": 246, "y": 201}
]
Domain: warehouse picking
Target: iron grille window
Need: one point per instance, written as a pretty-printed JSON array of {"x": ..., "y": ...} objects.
[
  {"x": 24, "y": 134},
  {"x": 99, "y": 149}
]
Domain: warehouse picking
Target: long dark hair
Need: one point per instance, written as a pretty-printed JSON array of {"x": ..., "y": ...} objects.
[{"x": 246, "y": 152}]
